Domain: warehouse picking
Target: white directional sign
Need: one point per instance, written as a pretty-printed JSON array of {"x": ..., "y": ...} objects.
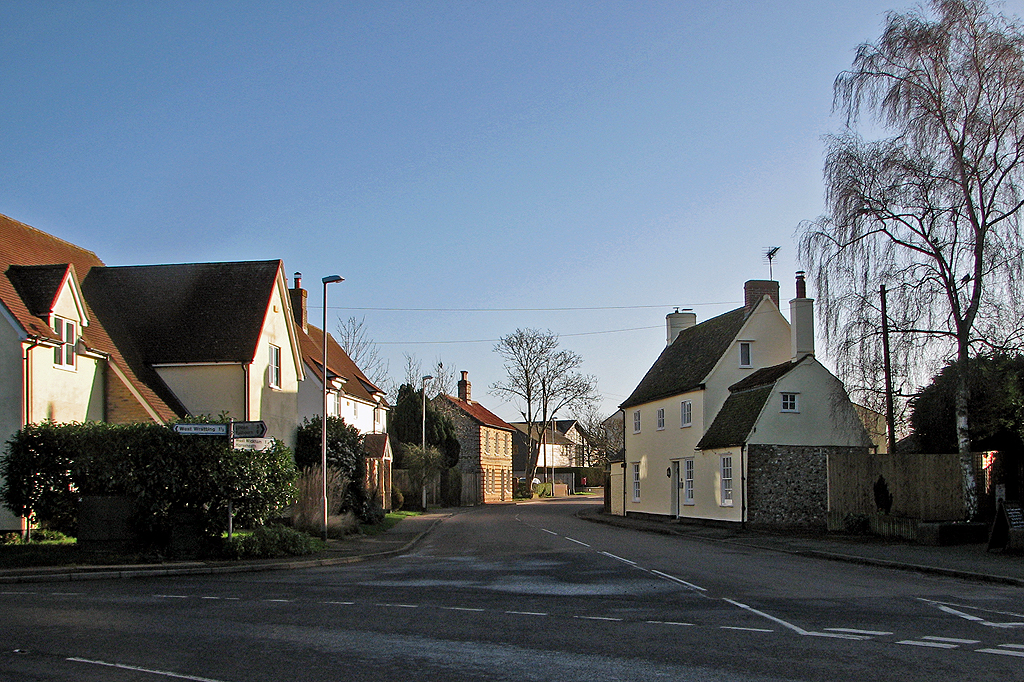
[
  {"x": 201, "y": 429},
  {"x": 248, "y": 429},
  {"x": 252, "y": 443}
]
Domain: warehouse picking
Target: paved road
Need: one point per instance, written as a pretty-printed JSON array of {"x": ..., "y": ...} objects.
[{"x": 525, "y": 592}]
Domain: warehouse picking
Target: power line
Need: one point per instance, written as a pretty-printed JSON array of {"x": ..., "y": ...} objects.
[
  {"x": 417, "y": 343},
  {"x": 524, "y": 310}
]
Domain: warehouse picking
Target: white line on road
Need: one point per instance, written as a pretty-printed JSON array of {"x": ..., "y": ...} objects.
[
  {"x": 667, "y": 622},
  {"x": 961, "y": 614},
  {"x": 852, "y": 631},
  {"x": 461, "y": 608},
  {"x": 339, "y": 603},
  {"x": 1013, "y": 646},
  {"x": 734, "y": 627},
  {"x": 933, "y": 645},
  {"x": 795, "y": 628},
  {"x": 280, "y": 601},
  {"x": 66, "y": 594},
  {"x": 209, "y": 597},
  {"x": 678, "y": 580},
  {"x": 576, "y": 541},
  {"x": 952, "y": 640},
  {"x": 401, "y": 606},
  {"x": 171, "y": 596},
  {"x": 617, "y": 620},
  {"x": 526, "y": 613},
  {"x": 142, "y": 670},
  {"x": 1001, "y": 652},
  {"x": 549, "y": 531},
  {"x": 17, "y": 593},
  {"x": 618, "y": 558}
]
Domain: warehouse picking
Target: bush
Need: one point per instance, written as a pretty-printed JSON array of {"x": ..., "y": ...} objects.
[
  {"x": 47, "y": 467},
  {"x": 268, "y": 542},
  {"x": 397, "y": 499}
]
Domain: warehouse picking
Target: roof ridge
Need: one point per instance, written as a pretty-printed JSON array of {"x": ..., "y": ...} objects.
[{"x": 50, "y": 236}]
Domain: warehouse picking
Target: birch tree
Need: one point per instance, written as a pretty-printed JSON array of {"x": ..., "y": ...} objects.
[{"x": 933, "y": 210}]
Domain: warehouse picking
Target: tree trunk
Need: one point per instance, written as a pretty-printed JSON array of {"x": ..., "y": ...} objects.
[{"x": 963, "y": 437}]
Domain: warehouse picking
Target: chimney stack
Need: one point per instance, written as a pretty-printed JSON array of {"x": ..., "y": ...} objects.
[
  {"x": 756, "y": 289},
  {"x": 678, "y": 321},
  {"x": 464, "y": 387},
  {"x": 298, "y": 297},
  {"x": 801, "y": 320}
]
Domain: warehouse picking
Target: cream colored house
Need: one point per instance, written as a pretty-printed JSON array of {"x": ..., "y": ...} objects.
[{"x": 735, "y": 419}]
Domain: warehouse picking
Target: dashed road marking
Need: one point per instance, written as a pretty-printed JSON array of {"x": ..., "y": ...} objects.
[
  {"x": 667, "y": 622},
  {"x": 679, "y": 580},
  {"x": 952, "y": 640},
  {"x": 549, "y": 531},
  {"x": 171, "y": 596},
  {"x": 618, "y": 558},
  {"x": 526, "y": 613},
  {"x": 1002, "y": 652},
  {"x": 617, "y": 620},
  {"x": 400, "y": 606},
  {"x": 339, "y": 603},
  {"x": 576, "y": 541},
  {"x": 735, "y": 627},
  {"x": 932, "y": 645},
  {"x": 853, "y": 631},
  {"x": 462, "y": 608},
  {"x": 135, "y": 668},
  {"x": 795, "y": 628}
]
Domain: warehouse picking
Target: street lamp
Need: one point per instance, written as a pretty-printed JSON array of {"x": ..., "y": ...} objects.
[
  {"x": 423, "y": 442},
  {"x": 330, "y": 279}
]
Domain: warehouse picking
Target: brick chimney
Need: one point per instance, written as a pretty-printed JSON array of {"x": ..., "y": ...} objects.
[
  {"x": 801, "y": 320},
  {"x": 756, "y": 289},
  {"x": 464, "y": 386},
  {"x": 298, "y": 296}
]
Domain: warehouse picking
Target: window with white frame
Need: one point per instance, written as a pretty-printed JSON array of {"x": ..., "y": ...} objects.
[
  {"x": 636, "y": 481},
  {"x": 727, "y": 480},
  {"x": 275, "y": 366},
  {"x": 789, "y": 402},
  {"x": 636, "y": 422},
  {"x": 661, "y": 418},
  {"x": 685, "y": 414},
  {"x": 688, "y": 481},
  {"x": 64, "y": 354},
  {"x": 745, "y": 360}
]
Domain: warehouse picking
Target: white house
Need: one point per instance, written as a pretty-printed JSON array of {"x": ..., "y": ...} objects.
[{"x": 735, "y": 420}]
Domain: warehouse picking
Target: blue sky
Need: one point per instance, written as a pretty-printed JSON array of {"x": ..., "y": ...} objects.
[{"x": 615, "y": 158}]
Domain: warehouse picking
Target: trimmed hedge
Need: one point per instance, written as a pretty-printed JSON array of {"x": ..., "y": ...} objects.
[{"x": 48, "y": 467}]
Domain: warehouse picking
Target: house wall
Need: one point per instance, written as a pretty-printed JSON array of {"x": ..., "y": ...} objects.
[
  {"x": 787, "y": 485},
  {"x": 769, "y": 334},
  {"x": 358, "y": 413},
  {"x": 278, "y": 407},
  {"x": 825, "y": 415},
  {"x": 12, "y": 399},
  {"x": 616, "y": 480},
  {"x": 485, "y": 457},
  {"x": 208, "y": 389},
  {"x": 707, "y": 489}
]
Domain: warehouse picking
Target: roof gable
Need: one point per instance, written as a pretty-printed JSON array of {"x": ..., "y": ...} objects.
[
  {"x": 38, "y": 285},
  {"x": 686, "y": 363},
  {"x": 339, "y": 364},
  {"x": 736, "y": 419}
]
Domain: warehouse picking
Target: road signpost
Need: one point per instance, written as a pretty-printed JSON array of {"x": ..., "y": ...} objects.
[
  {"x": 248, "y": 429},
  {"x": 252, "y": 443},
  {"x": 201, "y": 429}
]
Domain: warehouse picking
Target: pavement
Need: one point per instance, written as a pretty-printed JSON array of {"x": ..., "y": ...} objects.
[{"x": 969, "y": 562}]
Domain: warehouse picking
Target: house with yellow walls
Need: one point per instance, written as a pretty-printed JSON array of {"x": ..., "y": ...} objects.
[
  {"x": 735, "y": 420},
  {"x": 82, "y": 341}
]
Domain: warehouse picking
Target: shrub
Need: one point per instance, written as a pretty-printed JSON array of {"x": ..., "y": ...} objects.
[
  {"x": 267, "y": 542},
  {"x": 397, "y": 499}
]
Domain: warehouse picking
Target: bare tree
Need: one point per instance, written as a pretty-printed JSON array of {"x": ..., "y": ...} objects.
[
  {"x": 933, "y": 211},
  {"x": 354, "y": 339},
  {"x": 443, "y": 377},
  {"x": 542, "y": 381},
  {"x": 597, "y": 441}
]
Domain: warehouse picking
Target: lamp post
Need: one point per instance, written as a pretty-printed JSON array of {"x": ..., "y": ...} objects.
[
  {"x": 423, "y": 442},
  {"x": 330, "y": 279}
]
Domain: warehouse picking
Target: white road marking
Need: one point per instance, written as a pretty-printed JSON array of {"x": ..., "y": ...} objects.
[
  {"x": 852, "y": 631},
  {"x": 576, "y": 541},
  {"x": 66, "y": 594},
  {"x": 171, "y": 596},
  {"x": 679, "y": 580},
  {"x": 17, "y": 593},
  {"x": 795, "y": 628},
  {"x": 526, "y": 613},
  {"x": 339, "y": 603},
  {"x": 135, "y": 668},
  {"x": 1001, "y": 652},
  {"x": 734, "y": 627},
  {"x": 280, "y": 601},
  {"x": 933, "y": 645},
  {"x": 1013, "y": 646},
  {"x": 401, "y": 606},
  {"x": 618, "y": 558},
  {"x": 667, "y": 622},
  {"x": 975, "y": 608},
  {"x": 961, "y": 614},
  {"x": 952, "y": 640},
  {"x": 461, "y": 608},
  {"x": 549, "y": 531},
  {"x": 618, "y": 620},
  {"x": 209, "y": 597},
  {"x": 947, "y": 608}
]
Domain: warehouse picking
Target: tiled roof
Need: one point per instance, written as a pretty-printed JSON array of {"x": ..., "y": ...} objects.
[
  {"x": 734, "y": 422},
  {"x": 478, "y": 412},
  {"x": 338, "y": 363},
  {"x": 684, "y": 365},
  {"x": 559, "y": 439},
  {"x": 22, "y": 245},
  {"x": 375, "y": 444},
  {"x": 38, "y": 285},
  {"x": 186, "y": 313}
]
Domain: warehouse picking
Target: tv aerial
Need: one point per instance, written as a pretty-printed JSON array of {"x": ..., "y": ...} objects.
[{"x": 769, "y": 255}]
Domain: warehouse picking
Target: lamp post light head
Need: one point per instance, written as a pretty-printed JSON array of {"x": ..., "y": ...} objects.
[
  {"x": 427, "y": 378},
  {"x": 331, "y": 279}
]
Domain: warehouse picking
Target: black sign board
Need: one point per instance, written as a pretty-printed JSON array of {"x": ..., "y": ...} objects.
[{"x": 1009, "y": 517}]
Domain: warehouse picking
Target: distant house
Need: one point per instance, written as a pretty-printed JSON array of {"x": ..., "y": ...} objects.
[
  {"x": 379, "y": 461},
  {"x": 735, "y": 420},
  {"x": 562, "y": 445},
  {"x": 485, "y": 440},
  {"x": 351, "y": 395}
]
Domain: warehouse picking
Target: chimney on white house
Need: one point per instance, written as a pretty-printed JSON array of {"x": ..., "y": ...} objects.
[
  {"x": 464, "y": 387},
  {"x": 678, "y": 321},
  {"x": 801, "y": 320},
  {"x": 756, "y": 289},
  {"x": 298, "y": 296}
]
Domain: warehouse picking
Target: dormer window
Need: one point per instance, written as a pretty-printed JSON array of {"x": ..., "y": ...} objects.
[
  {"x": 745, "y": 354},
  {"x": 64, "y": 354}
]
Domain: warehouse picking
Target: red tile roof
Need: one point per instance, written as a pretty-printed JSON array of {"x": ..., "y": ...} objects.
[
  {"x": 478, "y": 412},
  {"x": 22, "y": 245},
  {"x": 338, "y": 363}
]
